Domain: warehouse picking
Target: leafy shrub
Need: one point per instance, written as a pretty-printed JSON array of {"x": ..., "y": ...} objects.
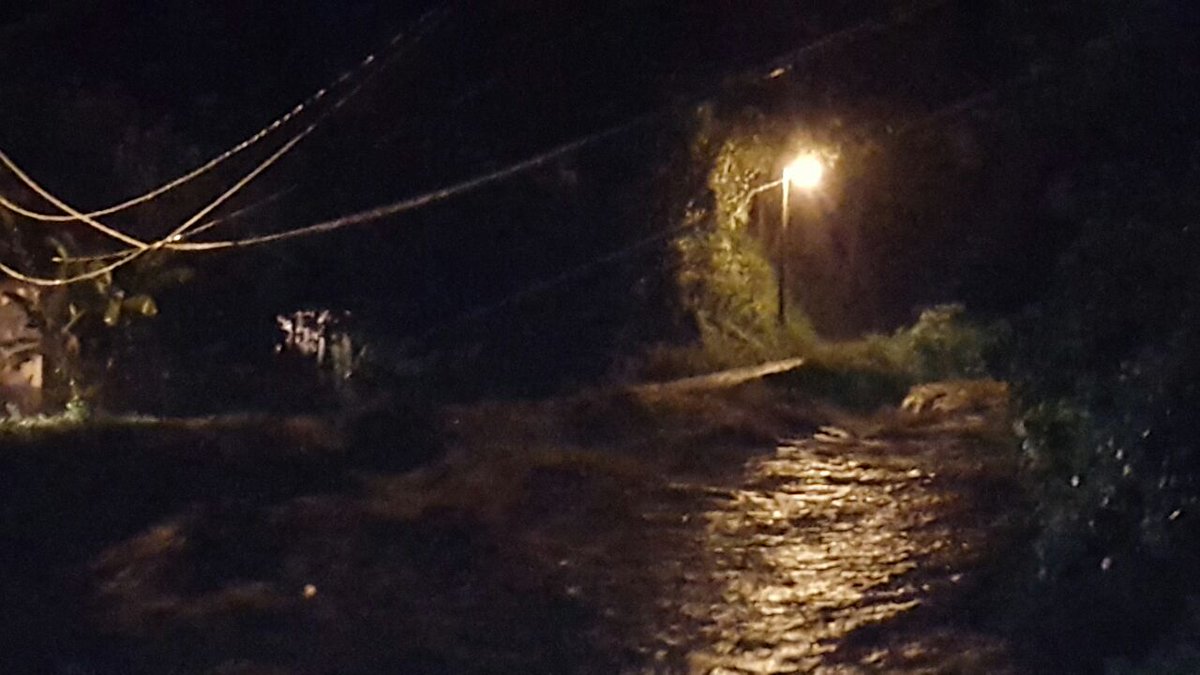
[
  {"x": 1112, "y": 464},
  {"x": 941, "y": 345}
]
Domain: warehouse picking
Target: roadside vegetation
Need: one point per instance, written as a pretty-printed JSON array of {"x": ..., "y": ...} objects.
[{"x": 727, "y": 289}]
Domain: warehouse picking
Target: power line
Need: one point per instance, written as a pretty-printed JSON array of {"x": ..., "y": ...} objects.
[
  {"x": 575, "y": 273},
  {"x": 423, "y": 199},
  {"x": 136, "y": 253},
  {"x": 363, "y": 68},
  {"x": 174, "y": 240},
  {"x": 771, "y": 70},
  {"x": 841, "y": 37},
  {"x": 175, "y": 236},
  {"x": 582, "y": 271}
]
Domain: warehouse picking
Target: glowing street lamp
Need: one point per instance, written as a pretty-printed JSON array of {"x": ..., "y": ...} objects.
[{"x": 806, "y": 172}]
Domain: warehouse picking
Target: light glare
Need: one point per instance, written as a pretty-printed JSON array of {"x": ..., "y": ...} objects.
[{"x": 806, "y": 173}]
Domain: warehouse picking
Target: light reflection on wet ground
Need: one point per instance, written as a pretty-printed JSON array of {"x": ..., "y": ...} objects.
[
  {"x": 825, "y": 539},
  {"x": 815, "y": 545},
  {"x": 827, "y": 555}
]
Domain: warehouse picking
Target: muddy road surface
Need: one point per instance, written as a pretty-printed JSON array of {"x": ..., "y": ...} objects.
[{"x": 829, "y": 552}]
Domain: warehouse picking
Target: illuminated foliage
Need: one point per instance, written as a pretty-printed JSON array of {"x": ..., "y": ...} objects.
[{"x": 725, "y": 278}]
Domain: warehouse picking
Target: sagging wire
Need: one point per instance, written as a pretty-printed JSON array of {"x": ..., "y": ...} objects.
[
  {"x": 575, "y": 273},
  {"x": 133, "y": 254},
  {"x": 967, "y": 104},
  {"x": 424, "y": 199},
  {"x": 365, "y": 66},
  {"x": 837, "y": 38},
  {"x": 174, "y": 239},
  {"x": 242, "y": 212},
  {"x": 66, "y": 208},
  {"x": 207, "y": 225},
  {"x": 773, "y": 69},
  {"x": 777, "y": 67}
]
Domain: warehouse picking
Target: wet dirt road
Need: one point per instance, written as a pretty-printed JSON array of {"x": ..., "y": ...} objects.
[
  {"x": 828, "y": 554},
  {"x": 824, "y": 541}
]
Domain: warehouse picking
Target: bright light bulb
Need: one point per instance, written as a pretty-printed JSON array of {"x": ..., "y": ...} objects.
[{"x": 806, "y": 172}]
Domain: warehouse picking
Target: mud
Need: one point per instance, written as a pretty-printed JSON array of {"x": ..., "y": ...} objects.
[{"x": 826, "y": 554}]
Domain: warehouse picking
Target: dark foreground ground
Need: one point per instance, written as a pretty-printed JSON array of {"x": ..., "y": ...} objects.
[{"x": 601, "y": 535}]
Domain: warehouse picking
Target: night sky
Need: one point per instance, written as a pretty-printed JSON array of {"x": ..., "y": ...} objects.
[{"x": 968, "y": 195}]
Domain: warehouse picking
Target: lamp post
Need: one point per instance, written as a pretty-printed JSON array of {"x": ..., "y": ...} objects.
[{"x": 806, "y": 173}]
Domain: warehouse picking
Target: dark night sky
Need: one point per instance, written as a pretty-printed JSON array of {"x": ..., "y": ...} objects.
[
  {"x": 497, "y": 80},
  {"x": 103, "y": 98}
]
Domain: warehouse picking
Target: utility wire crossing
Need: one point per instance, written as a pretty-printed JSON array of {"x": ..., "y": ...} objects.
[
  {"x": 367, "y": 68},
  {"x": 174, "y": 239}
]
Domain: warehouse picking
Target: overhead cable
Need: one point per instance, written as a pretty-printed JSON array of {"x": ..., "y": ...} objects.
[{"x": 364, "y": 67}]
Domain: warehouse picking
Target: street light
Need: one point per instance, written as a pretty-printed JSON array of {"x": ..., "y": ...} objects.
[{"x": 806, "y": 173}]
